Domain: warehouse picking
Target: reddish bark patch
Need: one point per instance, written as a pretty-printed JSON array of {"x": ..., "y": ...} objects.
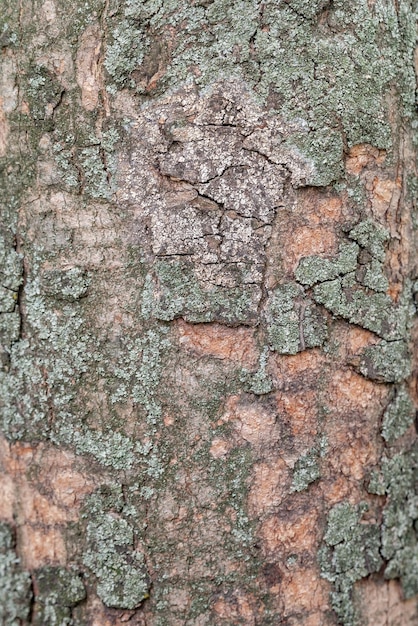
[
  {"x": 233, "y": 344},
  {"x": 363, "y": 155},
  {"x": 42, "y": 491}
]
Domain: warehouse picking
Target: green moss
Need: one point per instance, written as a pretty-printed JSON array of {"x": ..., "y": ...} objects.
[
  {"x": 293, "y": 321},
  {"x": 58, "y": 590},
  {"x": 398, "y": 416},
  {"x": 387, "y": 362},
  {"x": 15, "y": 583},
  {"x": 350, "y": 553}
]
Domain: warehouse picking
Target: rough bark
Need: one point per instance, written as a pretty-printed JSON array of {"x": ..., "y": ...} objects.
[{"x": 208, "y": 271}]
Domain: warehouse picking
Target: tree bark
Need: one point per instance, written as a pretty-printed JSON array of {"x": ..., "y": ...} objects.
[{"x": 208, "y": 271}]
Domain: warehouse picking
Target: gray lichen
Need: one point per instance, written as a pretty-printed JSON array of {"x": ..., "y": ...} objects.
[
  {"x": 350, "y": 553},
  {"x": 58, "y": 590},
  {"x": 306, "y": 470},
  {"x": 175, "y": 292},
  {"x": 398, "y": 416},
  {"x": 314, "y": 269},
  {"x": 386, "y": 362},
  {"x": 122, "y": 579},
  {"x": 398, "y": 480},
  {"x": 15, "y": 583},
  {"x": 293, "y": 322}
]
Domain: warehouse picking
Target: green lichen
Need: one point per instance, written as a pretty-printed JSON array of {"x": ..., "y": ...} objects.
[
  {"x": 122, "y": 579},
  {"x": 331, "y": 72},
  {"x": 398, "y": 480},
  {"x": 94, "y": 173},
  {"x": 108, "y": 448},
  {"x": 11, "y": 278},
  {"x": 9, "y": 21},
  {"x": 69, "y": 285},
  {"x": 324, "y": 148},
  {"x": 374, "y": 311},
  {"x": 306, "y": 470},
  {"x": 9, "y": 328},
  {"x": 372, "y": 237},
  {"x": 11, "y": 268},
  {"x": 260, "y": 383},
  {"x": 398, "y": 416},
  {"x": 58, "y": 351},
  {"x": 350, "y": 553},
  {"x": 125, "y": 51},
  {"x": 15, "y": 583},
  {"x": 43, "y": 92},
  {"x": 372, "y": 276},
  {"x": 353, "y": 285},
  {"x": 314, "y": 269},
  {"x": 58, "y": 590},
  {"x": 84, "y": 161},
  {"x": 386, "y": 362},
  {"x": 7, "y": 300},
  {"x": 175, "y": 292},
  {"x": 293, "y": 321}
]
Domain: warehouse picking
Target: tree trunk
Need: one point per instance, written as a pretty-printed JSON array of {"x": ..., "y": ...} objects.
[{"x": 208, "y": 255}]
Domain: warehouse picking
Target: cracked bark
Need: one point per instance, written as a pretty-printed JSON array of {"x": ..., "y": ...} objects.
[{"x": 197, "y": 426}]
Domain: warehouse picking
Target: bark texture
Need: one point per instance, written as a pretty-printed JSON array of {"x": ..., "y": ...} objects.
[{"x": 208, "y": 278}]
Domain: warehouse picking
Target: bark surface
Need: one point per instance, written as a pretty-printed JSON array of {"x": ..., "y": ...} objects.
[{"x": 208, "y": 275}]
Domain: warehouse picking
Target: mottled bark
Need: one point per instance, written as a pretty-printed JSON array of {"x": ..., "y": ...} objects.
[{"x": 207, "y": 312}]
